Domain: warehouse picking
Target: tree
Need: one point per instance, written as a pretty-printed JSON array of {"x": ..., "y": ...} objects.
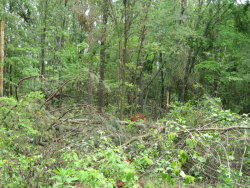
[
  {"x": 2, "y": 58},
  {"x": 103, "y": 54},
  {"x": 128, "y": 56},
  {"x": 44, "y": 16}
]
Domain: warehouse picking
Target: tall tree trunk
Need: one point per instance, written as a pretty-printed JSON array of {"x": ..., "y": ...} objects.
[
  {"x": 183, "y": 4},
  {"x": 90, "y": 83},
  {"x": 185, "y": 80},
  {"x": 91, "y": 71},
  {"x": 124, "y": 58},
  {"x": 188, "y": 69},
  {"x": 168, "y": 98},
  {"x": 142, "y": 93},
  {"x": 140, "y": 60},
  {"x": 2, "y": 59},
  {"x": 62, "y": 40},
  {"x": 162, "y": 84},
  {"x": 103, "y": 56},
  {"x": 10, "y": 77},
  {"x": 90, "y": 96},
  {"x": 87, "y": 24},
  {"x": 192, "y": 53},
  {"x": 43, "y": 38}
]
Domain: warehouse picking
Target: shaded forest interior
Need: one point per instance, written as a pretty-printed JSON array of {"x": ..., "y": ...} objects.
[
  {"x": 127, "y": 57},
  {"x": 124, "y": 93}
]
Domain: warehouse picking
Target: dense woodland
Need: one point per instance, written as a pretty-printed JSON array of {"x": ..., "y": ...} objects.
[{"x": 124, "y": 93}]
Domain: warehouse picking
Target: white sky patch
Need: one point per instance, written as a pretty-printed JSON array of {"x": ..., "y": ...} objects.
[
  {"x": 157, "y": 65},
  {"x": 87, "y": 12},
  {"x": 86, "y": 50},
  {"x": 241, "y": 1}
]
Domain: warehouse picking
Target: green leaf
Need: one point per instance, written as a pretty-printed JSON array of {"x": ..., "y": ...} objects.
[
  {"x": 191, "y": 142},
  {"x": 172, "y": 136},
  {"x": 189, "y": 179}
]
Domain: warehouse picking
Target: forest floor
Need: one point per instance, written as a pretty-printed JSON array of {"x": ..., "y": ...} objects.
[{"x": 74, "y": 146}]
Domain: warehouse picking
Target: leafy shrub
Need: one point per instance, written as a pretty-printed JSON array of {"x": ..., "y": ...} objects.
[{"x": 195, "y": 143}]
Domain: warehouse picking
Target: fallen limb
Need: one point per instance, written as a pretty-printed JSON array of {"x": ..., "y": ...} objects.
[
  {"x": 215, "y": 129},
  {"x": 163, "y": 129},
  {"x": 79, "y": 121},
  {"x": 135, "y": 139},
  {"x": 23, "y": 79},
  {"x": 157, "y": 125},
  {"x": 160, "y": 130}
]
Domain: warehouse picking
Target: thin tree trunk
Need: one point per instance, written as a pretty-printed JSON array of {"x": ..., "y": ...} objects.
[
  {"x": 90, "y": 83},
  {"x": 142, "y": 93},
  {"x": 124, "y": 59},
  {"x": 183, "y": 10},
  {"x": 186, "y": 76},
  {"x": 184, "y": 86},
  {"x": 2, "y": 59},
  {"x": 10, "y": 84},
  {"x": 168, "y": 99},
  {"x": 87, "y": 23},
  {"x": 162, "y": 83},
  {"x": 91, "y": 71},
  {"x": 192, "y": 53},
  {"x": 43, "y": 38},
  {"x": 140, "y": 62},
  {"x": 103, "y": 57},
  {"x": 62, "y": 40},
  {"x": 183, "y": 4}
]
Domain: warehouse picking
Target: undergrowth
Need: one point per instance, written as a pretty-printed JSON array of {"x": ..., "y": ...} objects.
[{"x": 195, "y": 144}]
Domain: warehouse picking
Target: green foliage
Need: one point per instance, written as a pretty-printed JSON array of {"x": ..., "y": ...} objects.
[
  {"x": 177, "y": 57},
  {"x": 210, "y": 38},
  {"x": 109, "y": 167},
  {"x": 181, "y": 155},
  {"x": 63, "y": 177},
  {"x": 19, "y": 131}
]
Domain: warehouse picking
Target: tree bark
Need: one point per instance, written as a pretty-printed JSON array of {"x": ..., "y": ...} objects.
[
  {"x": 189, "y": 67},
  {"x": 140, "y": 61},
  {"x": 162, "y": 84},
  {"x": 90, "y": 83},
  {"x": 124, "y": 59},
  {"x": 10, "y": 77},
  {"x": 2, "y": 59},
  {"x": 43, "y": 38},
  {"x": 192, "y": 53},
  {"x": 62, "y": 40},
  {"x": 183, "y": 10},
  {"x": 103, "y": 56}
]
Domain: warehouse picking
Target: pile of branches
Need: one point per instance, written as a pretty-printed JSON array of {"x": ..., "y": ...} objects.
[
  {"x": 81, "y": 128},
  {"x": 75, "y": 126}
]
